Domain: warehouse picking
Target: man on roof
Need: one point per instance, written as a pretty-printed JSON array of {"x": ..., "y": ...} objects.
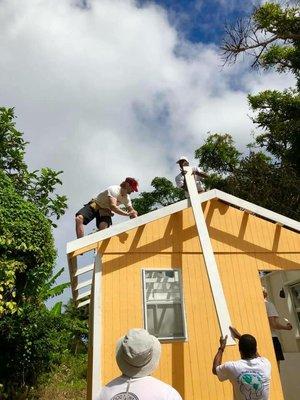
[
  {"x": 108, "y": 202},
  {"x": 198, "y": 174}
]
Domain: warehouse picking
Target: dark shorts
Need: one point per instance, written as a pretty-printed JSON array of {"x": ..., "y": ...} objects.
[
  {"x": 89, "y": 213},
  {"x": 278, "y": 349}
]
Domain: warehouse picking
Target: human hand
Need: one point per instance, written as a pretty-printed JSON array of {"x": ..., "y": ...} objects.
[
  {"x": 133, "y": 214},
  {"x": 223, "y": 341},
  {"x": 235, "y": 333},
  {"x": 289, "y": 326}
]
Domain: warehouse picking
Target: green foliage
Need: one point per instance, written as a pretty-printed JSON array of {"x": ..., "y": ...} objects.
[
  {"x": 27, "y": 249},
  {"x": 33, "y": 341},
  {"x": 278, "y": 20},
  {"x": 218, "y": 153},
  {"x": 279, "y": 116},
  {"x": 164, "y": 194},
  {"x": 32, "y": 338},
  {"x": 65, "y": 381},
  {"x": 256, "y": 177},
  {"x": 47, "y": 290},
  {"x": 270, "y": 35},
  {"x": 36, "y": 186}
]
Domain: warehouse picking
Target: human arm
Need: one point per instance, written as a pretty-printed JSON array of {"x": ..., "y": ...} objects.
[
  {"x": 273, "y": 318},
  {"x": 180, "y": 180},
  {"x": 218, "y": 357},
  {"x": 275, "y": 324},
  {"x": 113, "y": 207},
  {"x": 132, "y": 212},
  {"x": 202, "y": 174}
]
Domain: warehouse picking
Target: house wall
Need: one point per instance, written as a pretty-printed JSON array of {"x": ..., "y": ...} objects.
[{"x": 243, "y": 244}]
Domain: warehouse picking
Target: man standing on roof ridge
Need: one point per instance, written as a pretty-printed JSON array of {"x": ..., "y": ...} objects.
[
  {"x": 103, "y": 206},
  {"x": 198, "y": 174}
]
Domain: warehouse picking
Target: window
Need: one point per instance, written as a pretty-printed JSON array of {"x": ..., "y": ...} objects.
[
  {"x": 163, "y": 305},
  {"x": 295, "y": 295}
]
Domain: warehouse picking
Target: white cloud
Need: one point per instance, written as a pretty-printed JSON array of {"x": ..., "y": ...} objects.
[{"x": 112, "y": 91}]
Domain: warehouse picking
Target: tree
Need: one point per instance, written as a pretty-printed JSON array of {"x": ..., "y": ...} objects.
[
  {"x": 255, "y": 177},
  {"x": 32, "y": 337},
  {"x": 164, "y": 193},
  {"x": 270, "y": 36},
  {"x": 35, "y": 186},
  {"x": 27, "y": 252}
]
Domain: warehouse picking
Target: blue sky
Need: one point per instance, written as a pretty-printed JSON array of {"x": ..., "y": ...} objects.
[{"x": 202, "y": 20}]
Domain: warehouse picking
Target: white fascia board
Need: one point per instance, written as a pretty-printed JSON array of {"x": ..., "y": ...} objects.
[
  {"x": 126, "y": 226},
  {"x": 263, "y": 212},
  {"x": 135, "y": 223},
  {"x": 176, "y": 207}
]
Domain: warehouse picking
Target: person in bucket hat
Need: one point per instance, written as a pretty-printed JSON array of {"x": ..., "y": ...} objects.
[
  {"x": 137, "y": 356},
  {"x": 103, "y": 206},
  {"x": 198, "y": 174}
]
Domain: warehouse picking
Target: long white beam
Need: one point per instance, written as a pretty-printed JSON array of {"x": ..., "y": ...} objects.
[{"x": 209, "y": 258}]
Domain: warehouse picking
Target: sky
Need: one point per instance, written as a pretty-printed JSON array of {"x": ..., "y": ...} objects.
[{"x": 105, "y": 89}]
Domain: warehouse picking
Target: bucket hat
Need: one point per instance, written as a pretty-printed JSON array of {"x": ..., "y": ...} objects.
[{"x": 138, "y": 353}]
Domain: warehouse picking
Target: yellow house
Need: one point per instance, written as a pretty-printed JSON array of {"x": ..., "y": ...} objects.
[{"x": 184, "y": 272}]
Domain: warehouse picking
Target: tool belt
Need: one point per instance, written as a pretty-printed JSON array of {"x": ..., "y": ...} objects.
[{"x": 102, "y": 211}]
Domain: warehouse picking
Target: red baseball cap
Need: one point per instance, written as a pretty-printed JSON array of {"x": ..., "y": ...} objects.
[{"x": 133, "y": 183}]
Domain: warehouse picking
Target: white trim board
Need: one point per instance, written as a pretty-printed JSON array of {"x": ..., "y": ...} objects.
[
  {"x": 96, "y": 330},
  {"x": 97, "y": 237},
  {"x": 209, "y": 259}
]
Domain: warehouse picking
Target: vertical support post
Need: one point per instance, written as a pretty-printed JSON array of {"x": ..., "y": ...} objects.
[
  {"x": 95, "y": 333},
  {"x": 209, "y": 258}
]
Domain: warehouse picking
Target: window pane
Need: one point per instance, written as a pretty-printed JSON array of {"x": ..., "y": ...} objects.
[
  {"x": 162, "y": 285},
  {"x": 165, "y": 320}
]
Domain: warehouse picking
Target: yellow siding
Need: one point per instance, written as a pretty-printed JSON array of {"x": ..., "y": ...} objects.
[{"x": 243, "y": 244}]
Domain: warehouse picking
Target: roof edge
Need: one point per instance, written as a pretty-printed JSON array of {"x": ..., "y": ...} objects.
[{"x": 176, "y": 207}]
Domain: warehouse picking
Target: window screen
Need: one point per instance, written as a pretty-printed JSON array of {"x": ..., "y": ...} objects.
[{"x": 163, "y": 304}]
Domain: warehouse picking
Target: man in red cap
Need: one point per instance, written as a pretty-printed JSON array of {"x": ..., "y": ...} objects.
[{"x": 106, "y": 204}]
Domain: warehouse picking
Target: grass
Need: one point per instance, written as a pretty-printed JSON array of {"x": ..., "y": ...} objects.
[{"x": 65, "y": 382}]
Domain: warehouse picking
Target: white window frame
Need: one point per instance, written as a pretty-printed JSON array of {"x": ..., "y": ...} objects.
[
  {"x": 181, "y": 302},
  {"x": 296, "y": 310}
]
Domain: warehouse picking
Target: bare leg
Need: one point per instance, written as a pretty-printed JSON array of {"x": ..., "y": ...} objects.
[
  {"x": 79, "y": 226},
  {"x": 103, "y": 225}
]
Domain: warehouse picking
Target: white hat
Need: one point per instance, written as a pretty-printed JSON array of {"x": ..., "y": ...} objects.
[
  {"x": 182, "y": 158},
  {"x": 138, "y": 353}
]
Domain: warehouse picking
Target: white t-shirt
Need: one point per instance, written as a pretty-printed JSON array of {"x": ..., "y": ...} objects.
[
  {"x": 179, "y": 179},
  {"x": 271, "y": 312},
  {"x": 112, "y": 191},
  {"x": 250, "y": 378},
  {"x": 147, "y": 388}
]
